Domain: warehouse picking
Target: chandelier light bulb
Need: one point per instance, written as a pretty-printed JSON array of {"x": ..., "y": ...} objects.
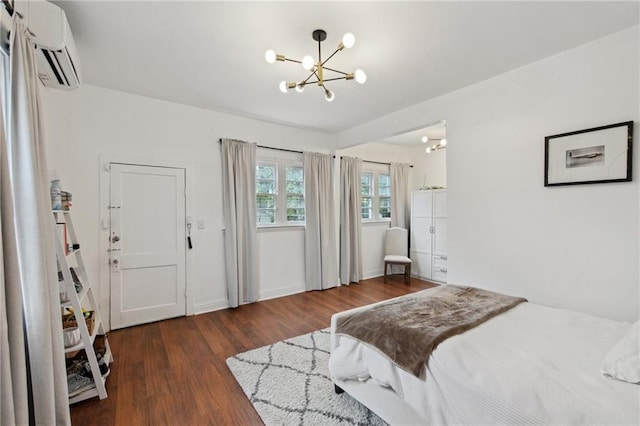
[
  {"x": 443, "y": 142},
  {"x": 424, "y": 139},
  {"x": 307, "y": 62},
  {"x": 428, "y": 150},
  {"x": 283, "y": 87},
  {"x": 270, "y": 56},
  {"x": 348, "y": 40},
  {"x": 361, "y": 77},
  {"x": 300, "y": 87},
  {"x": 328, "y": 95}
]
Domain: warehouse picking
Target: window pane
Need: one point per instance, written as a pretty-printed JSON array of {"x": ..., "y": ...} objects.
[
  {"x": 295, "y": 215},
  {"x": 266, "y": 216},
  {"x": 384, "y": 185},
  {"x": 294, "y": 173},
  {"x": 265, "y": 202},
  {"x": 266, "y": 187},
  {"x": 296, "y": 201},
  {"x": 266, "y": 172},
  {"x": 367, "y": 211},
  {"x": 365, "y": 179},
  {"x": 384, "y": 207},
  {"x": 295, "y": 187},
  {"x": 294, "y": 177}
]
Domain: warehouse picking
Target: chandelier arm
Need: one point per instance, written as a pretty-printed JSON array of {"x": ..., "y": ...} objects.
[
  {"x": 339, "y": 72},
  {"x": 306, "y": 80},
  {"x": 330, "y": 56},
  {"x": 333, "y": 79},
  {"x": 292, "y": 60}
]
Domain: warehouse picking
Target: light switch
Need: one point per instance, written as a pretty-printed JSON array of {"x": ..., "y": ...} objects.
[{"x": 201, "y": 224}]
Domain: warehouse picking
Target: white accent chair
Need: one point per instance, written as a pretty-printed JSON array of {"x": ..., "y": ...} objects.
[{"x": 396, "y": 251}]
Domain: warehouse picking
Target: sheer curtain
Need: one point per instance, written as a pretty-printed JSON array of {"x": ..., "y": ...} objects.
[
  {"x": 350, "y": 221},
  {"x": 320, "y": 254},
  {"x": 400, "y": 210},
  {"x": 34, "y": 381},
  {"x": 240, "y": 228}
]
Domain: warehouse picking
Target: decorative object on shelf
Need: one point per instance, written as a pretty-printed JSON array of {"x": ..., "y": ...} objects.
[
  {"x": 318, "y": 67},
  {"x": 597, "y": 155},
  {"x": 56, "y": 196},
  {"x": 440, "y": 144}
]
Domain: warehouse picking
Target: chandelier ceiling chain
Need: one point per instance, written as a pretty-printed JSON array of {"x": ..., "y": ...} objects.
[{"x": 318, "y": 68}]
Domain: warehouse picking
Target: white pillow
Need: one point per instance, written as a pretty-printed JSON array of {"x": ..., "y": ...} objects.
[{"x": 623, "y": 360}]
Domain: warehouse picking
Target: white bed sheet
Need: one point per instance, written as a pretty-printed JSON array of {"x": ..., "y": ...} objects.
[{"x": 530, "y": 365}]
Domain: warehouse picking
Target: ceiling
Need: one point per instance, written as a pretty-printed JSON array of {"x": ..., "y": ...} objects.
[{"x": 211, "y": 54}]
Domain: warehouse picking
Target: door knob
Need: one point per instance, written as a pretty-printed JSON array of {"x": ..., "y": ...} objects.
[{"x": 115, "y": 239}]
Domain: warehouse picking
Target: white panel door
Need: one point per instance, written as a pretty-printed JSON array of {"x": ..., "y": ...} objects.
[
  {"x": 421, "y": 235},
  {"x": 440, "y": 223},
  {"x": 147, "y": 235}
]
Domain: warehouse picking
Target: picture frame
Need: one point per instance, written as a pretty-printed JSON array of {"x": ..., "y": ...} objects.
[{"x": 597, "y": 155}]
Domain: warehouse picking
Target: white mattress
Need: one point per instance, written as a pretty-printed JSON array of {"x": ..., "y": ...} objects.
[{"x": 530, "y": 365}]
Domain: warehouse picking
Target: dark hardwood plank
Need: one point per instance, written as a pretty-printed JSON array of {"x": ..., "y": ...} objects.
[{"x": 174, "y": 371}]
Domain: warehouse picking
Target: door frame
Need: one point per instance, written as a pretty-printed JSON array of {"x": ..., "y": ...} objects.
[{"x": 104, "y": 291}]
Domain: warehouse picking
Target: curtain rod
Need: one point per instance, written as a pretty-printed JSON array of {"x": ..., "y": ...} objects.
[
  {"x": 300, "y": 152},
  {"x": 379, "y": 162},
  {"x": 275, "y": 149}
]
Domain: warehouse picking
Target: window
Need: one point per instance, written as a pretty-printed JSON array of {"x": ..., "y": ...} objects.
[
  {"x": 266, "y": 193},
  {"x": 279, "y": 193},
  {"x": 294, "y": 182},
  {"x": 366, "y": 195},
  {"x": 384, "y": 196},
  {"x": 375, "y": 194}
]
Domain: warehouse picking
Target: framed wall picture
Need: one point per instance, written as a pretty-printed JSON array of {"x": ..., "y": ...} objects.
[{"x": 598, "y": 155}]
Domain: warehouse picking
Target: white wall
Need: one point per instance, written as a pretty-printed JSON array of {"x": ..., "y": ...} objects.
[
  {"x": 574, "y": 247},
  {"x": 429, "y": 169},
  {"x": 84, "y": 124}
]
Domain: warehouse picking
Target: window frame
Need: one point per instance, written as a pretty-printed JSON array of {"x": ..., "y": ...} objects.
[
  {"x": 281, "y": 194},
  {"x": 276, "y": 195},
  {"x": 284, "y": 180},
  {"x": 375, "y": 195}
]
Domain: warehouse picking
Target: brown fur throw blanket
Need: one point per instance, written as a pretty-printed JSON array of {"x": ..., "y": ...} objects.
[{"x": 409, "y": 328}]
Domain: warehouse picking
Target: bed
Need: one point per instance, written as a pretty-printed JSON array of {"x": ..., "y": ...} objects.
[{"x": 529, "y": 365}]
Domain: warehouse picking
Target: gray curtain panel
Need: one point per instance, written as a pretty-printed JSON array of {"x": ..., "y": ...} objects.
[
  {"x": 30, "y": 321},
  {"x": 400, "y": 210},
  {"x": 240, "y": 228},
  {"x": 350, "y": 221},
  {"x": 321, "y": 252}
]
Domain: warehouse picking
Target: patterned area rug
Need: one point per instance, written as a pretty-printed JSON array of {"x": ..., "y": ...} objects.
[{"x": 288, "y": 384}]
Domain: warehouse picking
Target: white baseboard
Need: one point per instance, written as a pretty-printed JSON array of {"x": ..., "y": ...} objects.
[
  {"x": 372, "y": 274},
  {"x": 282, "y": 291},
  {"x": 216, "y": 305}
]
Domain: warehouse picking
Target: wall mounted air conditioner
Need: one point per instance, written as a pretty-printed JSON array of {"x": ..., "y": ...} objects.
[{"x": 58, "y": 62}]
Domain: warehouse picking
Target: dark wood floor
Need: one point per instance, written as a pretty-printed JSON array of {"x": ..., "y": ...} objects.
[{"x": 174, "y": 372}]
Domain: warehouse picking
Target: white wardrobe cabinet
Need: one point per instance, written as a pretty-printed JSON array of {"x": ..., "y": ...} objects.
[{"x": 429, "y": 234}]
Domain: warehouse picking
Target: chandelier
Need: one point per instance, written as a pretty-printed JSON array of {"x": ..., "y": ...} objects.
[
  {"x": 440, "y": 144},
  {"x": 318, "y": 68}
]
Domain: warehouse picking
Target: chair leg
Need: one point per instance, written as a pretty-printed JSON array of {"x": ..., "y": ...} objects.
[
  {"x": 385, "y": 272},
  {"x": 407, "y": 274}
]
